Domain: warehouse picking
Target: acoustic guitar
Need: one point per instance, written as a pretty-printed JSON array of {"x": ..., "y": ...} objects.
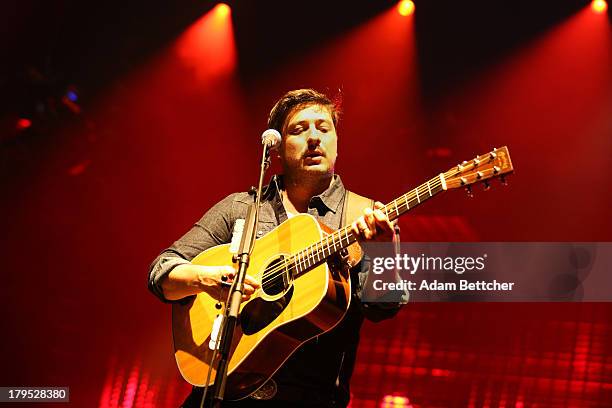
[{"x": 302, "y": 293}]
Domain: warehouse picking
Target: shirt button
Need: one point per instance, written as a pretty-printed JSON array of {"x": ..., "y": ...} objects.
[{"x": 259, "y": 233}]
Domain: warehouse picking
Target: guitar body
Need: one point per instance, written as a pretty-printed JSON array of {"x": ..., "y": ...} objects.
[{"x": 275, "y": 321}]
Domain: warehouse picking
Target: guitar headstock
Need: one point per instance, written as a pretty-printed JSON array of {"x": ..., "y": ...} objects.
[{"x": 484, "y": 167}]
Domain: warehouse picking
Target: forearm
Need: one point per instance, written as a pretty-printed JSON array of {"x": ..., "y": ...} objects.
[
  {"x": 182, "y": 281},
  {"x": 188, "y": 279}
]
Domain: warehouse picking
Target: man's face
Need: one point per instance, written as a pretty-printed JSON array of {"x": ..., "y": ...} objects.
[{"x": 309, "y": 146}]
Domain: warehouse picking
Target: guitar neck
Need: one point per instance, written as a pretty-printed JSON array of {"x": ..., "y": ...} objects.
[{"x": 333, "y": 243}]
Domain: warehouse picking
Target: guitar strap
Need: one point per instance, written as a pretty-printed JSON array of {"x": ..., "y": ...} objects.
[{"x": 354, "y": 205}]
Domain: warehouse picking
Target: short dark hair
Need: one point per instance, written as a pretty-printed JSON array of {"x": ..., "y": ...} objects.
[{"x": 301, "y": 98}]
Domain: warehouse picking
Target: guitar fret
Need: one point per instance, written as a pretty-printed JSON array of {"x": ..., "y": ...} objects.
[
  {"x": 298, "y": 267},
  {"x": 321, "y": 250}
]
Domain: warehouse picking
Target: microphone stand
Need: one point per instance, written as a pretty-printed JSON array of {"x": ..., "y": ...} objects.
[{"x": 242, "y": 257}]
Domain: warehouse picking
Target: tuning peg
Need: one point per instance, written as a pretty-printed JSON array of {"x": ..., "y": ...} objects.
[
  {"x": 479, "y": 175},
  {"x": 503, "y": 180},
  {"x": 487, "y": 185},
  {"x": 463, "y": 181},
  {"x": 493, "y": 155},
  {"x": 476, "y": 162},
  {"x": 468, "y": 190},
  {"x": 496, "y": 169}
]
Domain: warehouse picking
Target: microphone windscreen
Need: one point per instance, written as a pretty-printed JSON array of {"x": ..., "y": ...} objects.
[{"x": 271, "y": 138}]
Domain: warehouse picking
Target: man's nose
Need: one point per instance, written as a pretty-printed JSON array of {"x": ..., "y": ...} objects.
[{"x": 314, "y": 137}]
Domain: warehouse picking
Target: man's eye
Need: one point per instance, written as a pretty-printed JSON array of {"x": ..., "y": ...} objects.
[{"x": 297, "y": 130}]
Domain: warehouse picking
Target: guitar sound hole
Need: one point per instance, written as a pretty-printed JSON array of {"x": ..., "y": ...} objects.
[
  {"x": 259, "y": 313},
  {"x": 276, "y": 278}
]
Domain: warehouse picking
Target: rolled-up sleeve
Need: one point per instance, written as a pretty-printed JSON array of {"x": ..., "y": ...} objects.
[{"x": 214, "y": 228}]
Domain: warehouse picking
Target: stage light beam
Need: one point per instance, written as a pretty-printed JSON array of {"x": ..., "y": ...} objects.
[
  {"x": 405, "y": 7},
  {"x": 599, "y": 6},
  {"x": 208, "y": 46}
]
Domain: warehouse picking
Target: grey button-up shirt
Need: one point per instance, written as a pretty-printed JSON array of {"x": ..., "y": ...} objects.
[{"x": 320, "y": 369}]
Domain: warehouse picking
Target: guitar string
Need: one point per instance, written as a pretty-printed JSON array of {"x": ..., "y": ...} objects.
[
  {"x": 314, "y": 257},
  {"x": 312, "y": 251},
  {"x": 312, "y": 254}
]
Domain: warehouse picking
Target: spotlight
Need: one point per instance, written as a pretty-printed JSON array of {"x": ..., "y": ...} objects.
[
  {"x": 23, "y": 123},
  {"x": 72, "y": 95},
  {"x": 599, "y": 6},
  {"x": 222, "y": 10},
  {"x": 405, "y": 7}
]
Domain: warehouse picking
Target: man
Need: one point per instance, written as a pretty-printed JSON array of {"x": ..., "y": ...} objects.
[{"x": 318, "y": 373}]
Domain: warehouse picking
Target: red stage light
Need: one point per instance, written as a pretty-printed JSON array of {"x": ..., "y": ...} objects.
[
  {"x": 599, "y": 6},
  {"x": 405, "y": 7},
  {"x": 23, "y": 123}
]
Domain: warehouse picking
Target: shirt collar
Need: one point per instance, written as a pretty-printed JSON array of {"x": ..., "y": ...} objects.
[{"x": 332, "y": 197}]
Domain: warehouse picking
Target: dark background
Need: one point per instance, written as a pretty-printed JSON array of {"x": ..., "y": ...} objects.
[{"x": 166, "y": 124}]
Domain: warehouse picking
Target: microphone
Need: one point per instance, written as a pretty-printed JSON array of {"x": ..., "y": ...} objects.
[{"x": 271, "y": 138}]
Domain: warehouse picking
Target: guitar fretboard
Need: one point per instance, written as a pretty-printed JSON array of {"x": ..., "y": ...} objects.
[{"x": 333, "y": 243}]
